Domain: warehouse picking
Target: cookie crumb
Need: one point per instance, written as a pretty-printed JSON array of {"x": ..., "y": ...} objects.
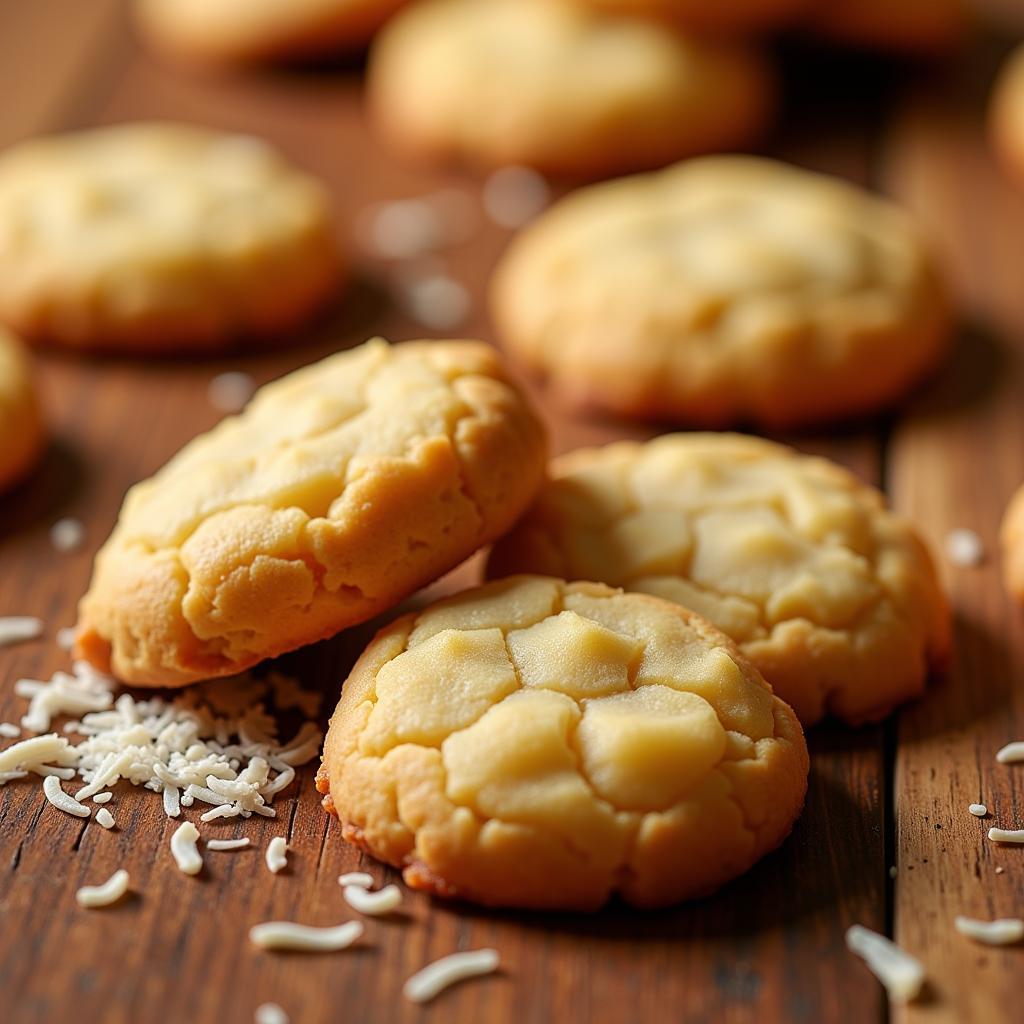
[
  {"x": 1000, "y": 870},
  {"x": 513, "y": 196},
  {"x": 964, "y": 548},
  {"x": 230, "y": 392},
  {"x": 67, "y": 535}
]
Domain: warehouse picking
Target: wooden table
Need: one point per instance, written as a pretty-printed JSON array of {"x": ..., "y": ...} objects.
[{"x": 767, "y": 948}]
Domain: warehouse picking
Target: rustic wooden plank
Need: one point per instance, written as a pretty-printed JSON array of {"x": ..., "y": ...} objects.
[
  {"x": 954, "y": 461},
  {"x": 767, "y": 948}
]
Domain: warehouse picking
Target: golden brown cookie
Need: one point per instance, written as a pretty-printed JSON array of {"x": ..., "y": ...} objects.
[
  {"x": 533, "y": 743},
  {"x": 559, "y": 88},
  {"x": 914, "y": 26},
  {"x": 703, "y": 16},
  {"x": 159, "y": 237},
  {"x": 21, "y": 425},
  {"x": 231, "y": 31},
  {"x": 341, "y": 489},
  {"x": 832, "y": 596},
  {"x": 1012, "y": 537},
  {"x": 722, "y": 290},
  {"x": 1006, "y": 115}
]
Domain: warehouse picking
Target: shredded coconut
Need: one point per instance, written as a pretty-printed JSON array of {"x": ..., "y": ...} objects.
[
  {"x": 66, "y": 637},
  {"x": 360, "y": 878},
  {"x": 67, "y": 535},
  {"x": 1011, "y": 753},
  {"x": 436, "y": 977},
  {"x": 14, "y": 629},
  {"x": 270, "y": 1013},
  {"x": 9, "y": 729},
  {"x": 978, "y": 810},
  {"x": 44, "y": 755},
  {"x": 513, "y": 196},
  {"x": 227, "y": 844},
  {"x": 103, "y": 895},
  {"x": 1003, "y": 835},
  {"x": 184, "y": 849},
  {"x": 901, "y": 974},
  {"x": 103, "y": 798},
  {"x": 1001, "y": 932},
  {"x": 373, "y": 904},
  {"x": 964, "y": 548},
  {"x": 104, "y": 818},
  {"x": 1000, "y": 870},
  {"x": 61, "y": 800},
  {"x": 288, "y": 935},
  {"x": 277, "y": 854},
  {"x": 230, "y": 392}
]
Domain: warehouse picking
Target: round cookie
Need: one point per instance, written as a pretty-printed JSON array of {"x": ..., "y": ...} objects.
[
  {"x": 534, "y": 743},
  {"x": 559, "y": 88},
  {"x": 159, "y": 237},
  {"x": 722, "y": 290},
  {"x": 232, "y": 31},
  {"x": 1006, "y": 115},
  {"x": 833, "y": 597},
  {"x": 1012, "y": 537},
  {"x": 340, "y": 490},
  {"x": 735, "y": 16},
  {"x": 21, "y": 426},
  {"x": 914, "y": 26}
]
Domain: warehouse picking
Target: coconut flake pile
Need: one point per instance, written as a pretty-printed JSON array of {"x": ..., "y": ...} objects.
[{"x": 216, "y": 742}]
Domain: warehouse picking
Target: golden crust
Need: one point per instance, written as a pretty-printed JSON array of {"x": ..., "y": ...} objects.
[
  {"x": 159, "y": 237},
  {"x": 21, "y": 426},
  {"x": 559, "y": 88},
  {"x": 721, "y": 290},
  {"x": 533, "y": 743},
  {"x": 342, "y": 488},
  {"x": 1012, "y": 537},
  {"x": 233, "y": 31},
  {"x": 833, "y": 597}
]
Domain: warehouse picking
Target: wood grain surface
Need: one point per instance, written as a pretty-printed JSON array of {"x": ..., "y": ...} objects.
[{"x": 767, "y": 948}]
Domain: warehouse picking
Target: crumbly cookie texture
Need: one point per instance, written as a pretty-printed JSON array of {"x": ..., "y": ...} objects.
[
  {"x": 1012, "y": 537},
  {"x": 21, "y": 425},
  {"x": 914, "y": 26},
  {"x": 1006, "y": 115},
  {"x": 534, "y": 743},
  {"x": 255, "y": 30},
  {"x": 159, "y": 237},
  {"x": 340, "y": 490},
  {"x": 565, "y": 90},
  {"x": 736, "y": 16},
  {"x": 720, "y": 290},
  {"x": 832, "y": 596}
]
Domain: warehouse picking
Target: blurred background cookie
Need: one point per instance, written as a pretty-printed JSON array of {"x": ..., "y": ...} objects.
[
  {"x": 1006, "y": 115},
  {"x": 539, "y": 744},
  {"x": 730, "y": 16},
  {"x": 21, "y": 425},
  {"x": 721, "y": 290},
  {"x": 1012, "y": 537},
  {"x": 559, "y": 88},
  {"x": 257, "y": 30},
  {"x": 342, "y": 488},
  {"x": 159, "y": 237},
  {"x": 911, "y": 26},
  {"x": 833, "y": 597}
]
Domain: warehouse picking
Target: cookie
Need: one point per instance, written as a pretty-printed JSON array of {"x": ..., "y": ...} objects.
[
  {"x": 21, "y": 426},
  {"x": 1006, "y": 115},
  {"x": 533, "y": 743},
  {"x": 341, "y": 489},
  {"x": 1012, "y": 537},
  {"x": 700, "y": 16},
  {"x": 722, "y": 290},
  {"x": 914, "y": 26},
  {"x": 233, "y": 31},
  {"x": 559, "y": 88},
  {"x": 833, "y": 597},
  {"x": 159, "y": 237}
]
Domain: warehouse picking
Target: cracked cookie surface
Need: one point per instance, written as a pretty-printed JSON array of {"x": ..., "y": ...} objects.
[
  {"x": 560, "y": 88},
  {"x": 159, "y": 237},
  {"x": 721, "y": 290},
  {"x": 340, "y": 490},
  {"x": 21, "y": 426},
  {"x": 533, "y": 743},
  {"x": 831, "y": 595}
]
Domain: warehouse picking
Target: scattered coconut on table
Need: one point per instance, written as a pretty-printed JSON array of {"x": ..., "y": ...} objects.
[
  {"x": 15, "y": 629},
  {"x": 902, "y": 974},
  {"x": 1001, "y": 932},
  {"x": 303, "y": 938},
  {"x": 103, "y": 895},
  {"x": 436, "y": 977}
]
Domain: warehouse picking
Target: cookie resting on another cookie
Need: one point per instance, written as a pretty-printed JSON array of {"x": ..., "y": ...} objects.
[
  {"x": 533, "y": 743},
  {"x": 724, "y": 290},
  {"x": 832, "y": 596},
  {"x": 559, "y": 88},
  {"x": 254, "y": 30},
  {"x": 340, "y": 490},
  {"x": 1012, "y": 537},
  {"x": 159, "y": 237},
  {"x": 21, "y": 426}
]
